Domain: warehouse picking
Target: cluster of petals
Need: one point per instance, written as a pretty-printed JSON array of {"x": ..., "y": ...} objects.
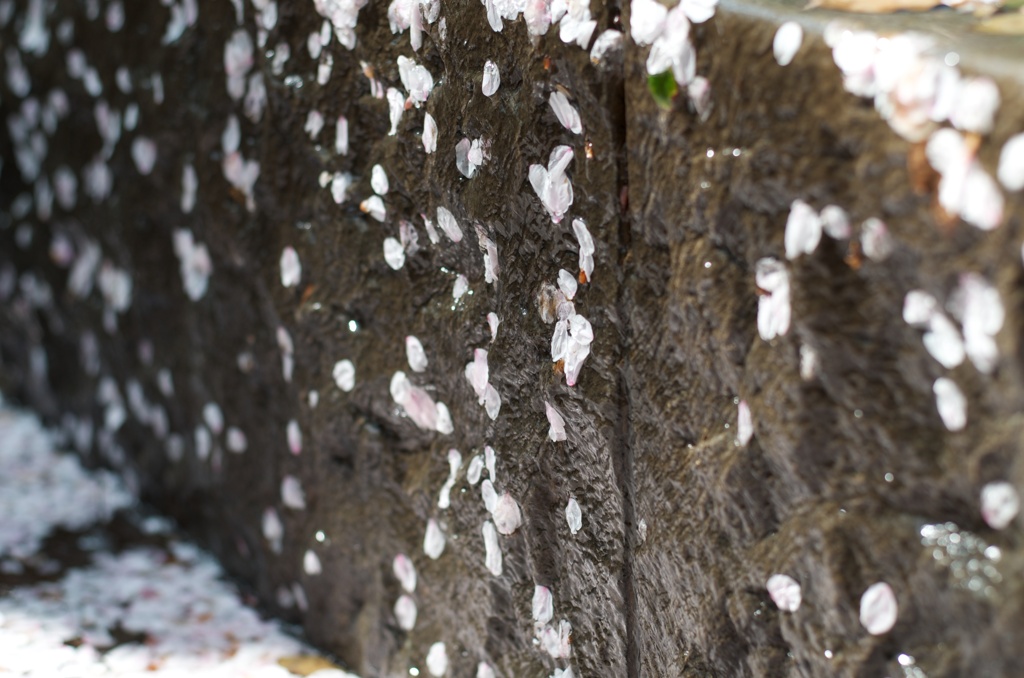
[
  {"x": 773, "y": 307},
  {"x": 343, "y": 15},
  {"x": 470, "y": 154},
  {"x": 419, "y": 406},
  {"x": 416, "y": 79},
  {"x": 912, "y": 86},
  {"x": 575, "y": 23},
  {"x": 571, "y": 342},
  {"x": 239, "y": 172},
  {"x": 478, "y": 376},
  {"x": 804, "y": 227},
  {"x": 195, "y": 263},
  {"x": 976, "y": 304},
  {"x": 410, "y": 15},
  {"x": 965, "y": 189},
  {"x": 668, "y": 33},
  {"x": 552, "y": 185},
  {"x": 507, "y": 10}
]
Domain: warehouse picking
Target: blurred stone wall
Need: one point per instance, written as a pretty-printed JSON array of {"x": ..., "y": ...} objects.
[{"x": 191, "y": 250}]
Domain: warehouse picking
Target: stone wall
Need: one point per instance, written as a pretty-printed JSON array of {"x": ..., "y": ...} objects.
[{"x": 154, "y": 311}]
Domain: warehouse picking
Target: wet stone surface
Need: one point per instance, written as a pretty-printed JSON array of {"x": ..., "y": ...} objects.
[{"x": 209, "y": 366}]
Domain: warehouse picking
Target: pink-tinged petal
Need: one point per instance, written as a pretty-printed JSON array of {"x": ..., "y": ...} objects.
[
  {"x": 421, "y": 408},
  {"x": 918, "y": 308},
  {"x": 506, "y": 514},
  {"x": 429, "y": 133},
  {"x": 405, "y": 572},
  {"x": 446, "y": 220},
  {"x": 294, "y": 435},
  {"x": 396, "y": 106},
  {"x": 543, "y": 605},
  {"x": 454, "y": 464},
  {"x": 835, "y": 222},
  {"x": 492, "y": 402},
  {"x": 787, "y": 42},
  {"x": 291, "y": 269},
  {"x": 803, "y": 230},
  {"x": 292, "y": 495},
  {"x": 437, "y": 660},
  {"x": 1000, "y": 504},
  {"x": 785, "y": 592},
  {"x": 744, "y": 424},
  {"x": 405, "y": 613},
  {"x": 976, "y": 106},
  {"x": 573, "y": 515},
  {"x": 646, "y": 20},
  {"x": 556, "y": 432},
  {"x": 311, "y": 564},
  {"x": 537, "y": 14},
  {"x": 341, "y": 136},
  {"x": 273, "y": 530},
  {"x": 394, "y": 254},
  {"x": 374, "y": 207},
  {"x": 416, "y": 79},
  {"x": 951, "y": 403},
  {"x": 557, "y": 642},
  {"x": 444, "y": 420},
  {"x": 144, "y": 155},
  {"x": 982, "y": 201},
  {"x": 878, "y": 609},
  {"x": 491, "y": 79},
  {"x": 560, "y": 341},
  {"x": 875, "y": 240},
  {"x": 567, "y": 115},
  {"x": 698, "y": 11},
  {"x": 460, "y": 288},
  {"x": 433, "y": 540},
  {"x": 773, "y": 309},
  {"x": 415, "y": 354},
  {"x": 567, "y": 283},
  {"x": 492, "y": 323},
  {"x": 379, "y": 180},
  {"x": 492, "y": 549},
  {"x": 608, "y": 43},
  {"x": 477, "y": 372},
  {"x": 314, "y": 123},
  {"x": 1011, "y": 164},
  {"x": 344, "y": 374},
  {"x": 699, "y": 94},
  {"x": 943, "y": 342},
  {"x": 575, "y": 355},
  {"x": 462, "y": 162},
  {"x": 808, "y": 362}
]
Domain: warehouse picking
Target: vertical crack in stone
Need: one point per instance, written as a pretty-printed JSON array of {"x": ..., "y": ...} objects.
[{"x": 622, "y": 452}]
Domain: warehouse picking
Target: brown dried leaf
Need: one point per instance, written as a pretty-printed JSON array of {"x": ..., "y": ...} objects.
[
  {"x": 875, "y": 6},
  {"x": 1004, "y": 24}
]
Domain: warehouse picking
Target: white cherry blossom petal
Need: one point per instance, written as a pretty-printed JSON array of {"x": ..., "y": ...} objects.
[
  {"x": 433, "y": 540},
  {"x": 573, "y": 515},
  {"x": 787, "y": 42},
  {"x": 951, "y": 403},
  {"x": 784, "y": 592},
  {"x": 878, "y": 609},
  {"x": 1000, "y": 504},
  {"x": 492, "y": 78}
]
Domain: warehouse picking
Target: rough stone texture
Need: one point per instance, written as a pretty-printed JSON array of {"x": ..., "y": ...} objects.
[{"x": 651, "y": 424}]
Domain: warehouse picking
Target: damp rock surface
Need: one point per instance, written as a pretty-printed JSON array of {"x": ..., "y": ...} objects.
[{"x": 223, "y": 222}]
